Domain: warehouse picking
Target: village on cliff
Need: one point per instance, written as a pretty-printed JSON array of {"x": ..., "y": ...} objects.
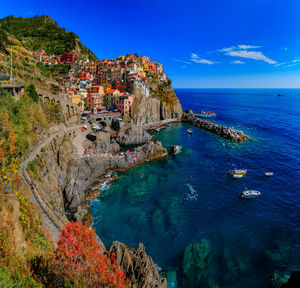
[{"x": 108, "y": 84}]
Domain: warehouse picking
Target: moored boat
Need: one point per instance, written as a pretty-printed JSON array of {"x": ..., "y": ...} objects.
[
  {"x": 157, "y": 129},
  {"x": 237, "y": 172},
  {"x": 279, "y": 95},
  {"x": 249, "y": 194},
  {"x": 236, "y": 176},
  {"x": 268, "y": 174},
  {"x": 189, "y": 131},
  {"x": 206, "y": 114}
]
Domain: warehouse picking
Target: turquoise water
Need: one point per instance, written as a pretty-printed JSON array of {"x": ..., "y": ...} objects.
[{"x": 168, "y": 204}]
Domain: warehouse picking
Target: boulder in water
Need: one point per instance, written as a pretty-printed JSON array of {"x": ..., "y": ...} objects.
[{"x": 175, "y": 149}]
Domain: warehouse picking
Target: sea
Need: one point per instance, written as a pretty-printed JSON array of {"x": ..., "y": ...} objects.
[{"x": 170, "y": 203}]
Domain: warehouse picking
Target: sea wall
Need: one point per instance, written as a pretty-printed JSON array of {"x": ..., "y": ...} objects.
[{"x": 224, "y": 131}]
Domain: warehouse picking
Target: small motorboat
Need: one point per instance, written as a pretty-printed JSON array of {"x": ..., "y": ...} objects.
[
  {"x": 169, "y": 125},
  {"x": 237, "y": 176},
  {"x": 189, "y": 131},
  {"x": 249, "y": 194},
  {"x": 279, "y": 95},
  {"x": 268, "y": 174},
  {"x": 206, "y": 114},
  {"x": 85, "y": 127},
  {"x": 157, "y": 129},
  {"x": 238, "y": 172}
]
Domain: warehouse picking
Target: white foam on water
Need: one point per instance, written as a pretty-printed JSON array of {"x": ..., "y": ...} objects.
[
  {"x": 105, "y": 186},
  {"x": 192, "y": 194}
]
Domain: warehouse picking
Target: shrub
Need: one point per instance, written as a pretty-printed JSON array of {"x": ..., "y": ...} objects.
[
  {"x": 31, "y": 92},
  {"x": 80, "y": 259}
]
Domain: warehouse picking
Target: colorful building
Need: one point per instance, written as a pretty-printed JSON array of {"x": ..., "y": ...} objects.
[
  {"x": 67, "y": 57},
  {"x": 124, "y": 102},
  {"x": 96, "y": 98},
  {"x": 111, "y": 96}
]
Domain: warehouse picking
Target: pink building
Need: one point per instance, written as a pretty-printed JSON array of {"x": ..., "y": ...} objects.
[
  {"x": 96, "y": 98},
  {"x": 124, "y": 102}
]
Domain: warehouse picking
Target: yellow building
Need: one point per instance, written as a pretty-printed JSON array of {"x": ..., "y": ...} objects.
[{"x": 76, "y": 99}]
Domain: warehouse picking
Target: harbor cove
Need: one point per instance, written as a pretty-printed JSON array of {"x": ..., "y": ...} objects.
[{"x": 189, "y": 198}]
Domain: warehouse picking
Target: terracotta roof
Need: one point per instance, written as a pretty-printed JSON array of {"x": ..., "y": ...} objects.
[{"x": 109, "y": 90}]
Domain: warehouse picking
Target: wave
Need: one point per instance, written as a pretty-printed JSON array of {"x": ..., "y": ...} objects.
[{"x": 192, "y": 194}]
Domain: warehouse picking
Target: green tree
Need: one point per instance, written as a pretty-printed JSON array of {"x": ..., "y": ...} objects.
[{"x": 31, "y": 92}]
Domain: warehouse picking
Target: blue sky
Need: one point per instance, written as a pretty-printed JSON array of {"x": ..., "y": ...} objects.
[{"x": 209, "y": 44}]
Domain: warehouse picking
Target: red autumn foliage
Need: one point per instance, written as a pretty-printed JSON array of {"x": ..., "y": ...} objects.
[{"x": 81, "y": 257}]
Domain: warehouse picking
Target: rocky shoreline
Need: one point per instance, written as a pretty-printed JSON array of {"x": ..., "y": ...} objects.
[
  {"x": 68, "y": 182},
  {"x": 229, "y": 133}
]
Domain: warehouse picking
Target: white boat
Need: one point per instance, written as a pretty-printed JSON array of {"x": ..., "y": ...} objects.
[
  {"x": 249, "y": 194},
  {"x": 238, "y": 176},
  {"x": 189, "y": 131},
  {"x": 268, "y": 174}
]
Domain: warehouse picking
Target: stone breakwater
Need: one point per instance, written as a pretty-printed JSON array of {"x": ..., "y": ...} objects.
[{"x": 224, "y": 131}]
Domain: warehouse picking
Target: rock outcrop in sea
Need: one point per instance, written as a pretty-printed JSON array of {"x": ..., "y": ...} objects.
[
  {"x": 138, "y": 266},
  {"x": 224, "y": 131}
]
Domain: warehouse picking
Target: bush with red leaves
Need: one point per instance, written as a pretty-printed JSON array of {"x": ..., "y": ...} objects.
[{"x": 80, "y": 259}]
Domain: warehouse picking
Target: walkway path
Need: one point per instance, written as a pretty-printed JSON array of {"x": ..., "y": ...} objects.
[
  {"x": 50, "y": 219},
  {"x": 79, "y": 140},
  {"x": 154, "y": 125}
]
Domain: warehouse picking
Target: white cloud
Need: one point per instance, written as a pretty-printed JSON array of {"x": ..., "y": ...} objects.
[
  {"x": 227, "y": 49},
  {"x": 280, "y": 64},
  {"x": 290, "y": 65},
  {"x": 255, "y": 55},
  {"x": 181, "y": 61},
  {"x": 195, "y": 58},
  {"x": 296, "y": 60},
  {"x": 237, "y": 62},
  {"x": 245, "y": 47},
  {"x": 238, "y": 47}
]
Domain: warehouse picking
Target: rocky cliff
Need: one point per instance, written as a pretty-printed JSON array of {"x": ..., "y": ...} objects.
[
  {"x": 138, "y": 266},
  {"x": 65, "y": 182},
  {"x": 132, "y": 135},
  {"x": 63, "y": 179},
  {"x": 152, "y": 109}
]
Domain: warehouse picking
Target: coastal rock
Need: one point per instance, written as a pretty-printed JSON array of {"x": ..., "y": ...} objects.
[
  {"x": 132, "y": 135},
  {"x": 175, "y": 149},
  {"x": 196, "y": 261},
  {"x": 147, "y": 110},
  {"x": 64, "y": 180},
  {"x": 102, "y": 143},
  {"x": 138, "y": 266},
  {"x": 226, "y": 132}
]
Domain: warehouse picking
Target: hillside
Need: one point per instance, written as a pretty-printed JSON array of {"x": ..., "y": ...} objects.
[{"x": 42, "y": 32}]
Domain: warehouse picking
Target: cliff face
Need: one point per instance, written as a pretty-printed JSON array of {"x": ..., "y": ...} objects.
[
  {"x": 147, "y": 110},
  {"x": 64, "y": 179},
  {"x": 132, "y": 135},
  {"x": 138, "y": 266}
]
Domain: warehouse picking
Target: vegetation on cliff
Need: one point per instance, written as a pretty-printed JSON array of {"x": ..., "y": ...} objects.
[
  {"x": 163, "y": 91},
  {"x": 42, "y": 32}
]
